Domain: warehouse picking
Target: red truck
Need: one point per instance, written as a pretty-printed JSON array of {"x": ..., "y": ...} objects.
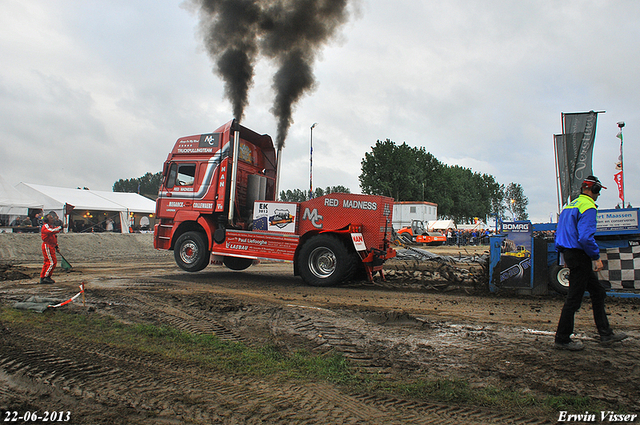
[{"x": 217, "y": 204}]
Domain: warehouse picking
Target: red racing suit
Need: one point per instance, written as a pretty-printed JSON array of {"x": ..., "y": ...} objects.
[{"x": 49, "y": 236}]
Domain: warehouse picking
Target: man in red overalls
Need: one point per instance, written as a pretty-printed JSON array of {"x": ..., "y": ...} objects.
[{"x": 49, "y": 232}]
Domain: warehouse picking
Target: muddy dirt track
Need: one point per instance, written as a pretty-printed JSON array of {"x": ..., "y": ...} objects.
[{"x": 487, "y": 340}]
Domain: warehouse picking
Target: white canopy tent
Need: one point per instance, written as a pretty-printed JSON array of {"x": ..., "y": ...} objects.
[
  {"x": 64, "y": 200},
  {"x": 476, "y": 226},
  {"x": 436, "y": 225},
  {"x": 13, "y": 202}
]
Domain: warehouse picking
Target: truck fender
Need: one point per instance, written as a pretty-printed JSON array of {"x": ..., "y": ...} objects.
[{"x": 209, "y": 229}]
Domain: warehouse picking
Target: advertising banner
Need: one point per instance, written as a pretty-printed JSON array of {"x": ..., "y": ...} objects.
[
  {"x": 274, "y": 216},
  {"x": 515, "y": 255},
  {"x": 579, "y": 131},
  {"x": 617, "y": 220},
  {"x": 563, "y": 168},
  {"x": 276, "y": 246},
  {"x": 620, "y": 183}
]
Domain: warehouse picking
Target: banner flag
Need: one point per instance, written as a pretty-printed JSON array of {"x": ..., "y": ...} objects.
[
  {"x": 563, "y": 168},
  {"x": 620, "y": 182},
  {"x": 579, "y": 130}
]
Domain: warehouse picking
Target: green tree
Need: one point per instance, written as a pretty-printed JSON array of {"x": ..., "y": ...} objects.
[
  {"x": 147, "y": 185},
  {"x": 413, "y": 174},
  {"x": 516, "y": 202},
  {"x": 464, "y": 197},
  {"x": 401, "y": 172},
  {"x": 297, "y": 195}
]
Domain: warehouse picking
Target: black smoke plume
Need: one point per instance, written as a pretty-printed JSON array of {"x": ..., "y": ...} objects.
[{"x": 289, "y": 32}]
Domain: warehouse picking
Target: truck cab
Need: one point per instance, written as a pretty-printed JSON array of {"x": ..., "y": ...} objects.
[{"x": 217, "y": 203}]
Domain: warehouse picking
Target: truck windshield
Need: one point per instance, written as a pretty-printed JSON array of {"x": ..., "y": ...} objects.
[{"x": 181, "y": 175}]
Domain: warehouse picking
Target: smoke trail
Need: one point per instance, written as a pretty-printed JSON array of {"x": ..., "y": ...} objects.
[
  {"x": 231, "y": 36},
  {"x": 290, "y": 32}
]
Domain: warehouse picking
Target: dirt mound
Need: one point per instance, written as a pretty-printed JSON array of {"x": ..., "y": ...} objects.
[
  {"x": 11, "y": 272},
  {"x": 18, "y": 248}
]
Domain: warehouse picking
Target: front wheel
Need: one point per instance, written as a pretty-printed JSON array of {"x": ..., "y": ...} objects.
[
  {"x": 559, "y": 279},
  {"x": 324, "y": 260},
  {"x": 191, "y": 252}
]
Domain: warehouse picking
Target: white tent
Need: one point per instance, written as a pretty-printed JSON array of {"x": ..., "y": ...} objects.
[
  {"x": 440, "y": 225},
  {"x": 62, "y": 200},
  {"x": 14, "y": 202},
  {"x": 476, "y": 226}
]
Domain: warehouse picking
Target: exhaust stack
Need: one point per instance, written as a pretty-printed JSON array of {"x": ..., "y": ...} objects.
[
  {"x": 278, "y": 167},
  {"x": 234, "y": 168}
]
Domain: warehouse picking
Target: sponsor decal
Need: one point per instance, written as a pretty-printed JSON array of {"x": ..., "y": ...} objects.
[
  {"x": 236, "y": 246},
  {"x": 358, "y": 242},
  {"x": 313, "y": 217},
  {"x": 194, "y": 150},
  {"x": 245, "y": 153},
  {"x": 187, "y": 142},
  {"x": 359, "y": 205},
  {"x": 204, "y": 205},
  {"x": 176, "y": 204},
  {"x": 211, "y": 140},
  {"x": 252, "y": 241},
  {"x": 517, "y": 271},
  {"x": 609, "y": 220},
  {"x": 274, "y": 216},
  {"x": 515, "y": 227},
  {"x": 281, "y": 218}
]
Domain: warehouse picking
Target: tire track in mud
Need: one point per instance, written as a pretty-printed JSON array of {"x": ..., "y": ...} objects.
[
  {"x": 329, "y": 335},
  {"x": 515, "y": 356},
  {"x": 496, "y": 352},
  {"x": 194, "y": 321},
  {"x": 152, "y": 388}
]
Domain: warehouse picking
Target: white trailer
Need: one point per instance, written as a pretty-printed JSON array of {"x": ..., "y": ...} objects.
[{"x": 405, "y": 212}]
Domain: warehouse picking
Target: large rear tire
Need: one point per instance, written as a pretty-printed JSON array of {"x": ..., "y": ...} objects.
[
  {"x": 559, "y": 279},
  {"x": 191, "y": 252},
  {"x": 325, "y": 260}
]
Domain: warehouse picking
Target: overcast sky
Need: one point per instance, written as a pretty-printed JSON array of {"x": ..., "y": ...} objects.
[{"x": 93, "y": 91}]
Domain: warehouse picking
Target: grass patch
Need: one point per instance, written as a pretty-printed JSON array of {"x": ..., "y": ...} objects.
[{"x": 267, "y": 361}]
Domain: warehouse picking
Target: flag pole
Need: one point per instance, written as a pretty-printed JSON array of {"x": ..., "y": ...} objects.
[
  {"x": 555, "y": 157},
  {"x": 621, "y": 126}
]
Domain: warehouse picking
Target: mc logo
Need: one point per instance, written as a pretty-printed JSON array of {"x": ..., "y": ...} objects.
[{"x": 313, "y": 217}]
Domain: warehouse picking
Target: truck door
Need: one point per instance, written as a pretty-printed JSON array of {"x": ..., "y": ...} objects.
[{"x": 179, "y": 188}]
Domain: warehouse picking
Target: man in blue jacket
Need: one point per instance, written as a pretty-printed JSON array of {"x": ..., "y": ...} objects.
[{"x": 575, "y": 240}]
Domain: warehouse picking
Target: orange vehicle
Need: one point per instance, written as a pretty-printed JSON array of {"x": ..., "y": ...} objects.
[
  {"x": 217, "y": 204},
  {"x": 416, "y": 233}
]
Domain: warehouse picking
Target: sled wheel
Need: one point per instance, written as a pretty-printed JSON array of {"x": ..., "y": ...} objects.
[
  {"x": 559, "y": 279},
  {"x": 324, "y": 260},
  {"x": 191, "y": 252}
]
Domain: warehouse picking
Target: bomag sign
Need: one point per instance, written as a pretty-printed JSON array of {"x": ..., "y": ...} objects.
[{"x": 516, "y": 227}]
